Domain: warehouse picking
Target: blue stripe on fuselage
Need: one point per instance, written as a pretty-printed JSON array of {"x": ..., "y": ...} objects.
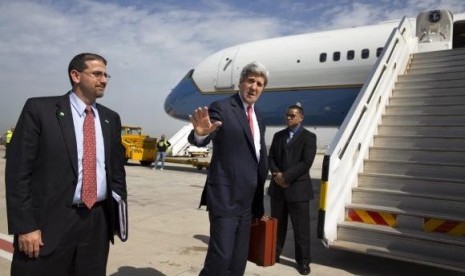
[{"x": 323, "y": 107}]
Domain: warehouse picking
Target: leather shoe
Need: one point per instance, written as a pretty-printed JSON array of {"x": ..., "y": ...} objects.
[{"x": 303, "y": 269}]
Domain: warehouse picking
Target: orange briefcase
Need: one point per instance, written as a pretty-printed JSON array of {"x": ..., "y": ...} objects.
[{"x": 262, "y": 244}]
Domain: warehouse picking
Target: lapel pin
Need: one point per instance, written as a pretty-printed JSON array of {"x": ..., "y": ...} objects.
[{"x": 106, "y": 121}]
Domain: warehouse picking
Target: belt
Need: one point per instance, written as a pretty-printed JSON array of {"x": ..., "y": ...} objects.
[{"x": 82, "y": 205}]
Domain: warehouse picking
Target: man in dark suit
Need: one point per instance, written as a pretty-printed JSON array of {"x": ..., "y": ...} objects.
[
  {"x": 235, "y": 182},
  {"x": 291, "y": 155},
  {"x": 65, "y": 160}
]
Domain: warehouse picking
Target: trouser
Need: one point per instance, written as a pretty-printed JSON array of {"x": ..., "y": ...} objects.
[
  {"x": 82, "y": 250},
  {"x": 228, "y": 246},
  {"x": 160, "y": 156},
  {"x": 299, "y": 213}
]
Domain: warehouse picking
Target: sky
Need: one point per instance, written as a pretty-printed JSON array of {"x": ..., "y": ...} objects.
[{"x": 151, "y": 44}]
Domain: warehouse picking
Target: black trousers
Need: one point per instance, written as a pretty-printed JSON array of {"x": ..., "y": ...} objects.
[
  {"x": 82, "y": 251},
  {"x": 228, "y": 247},
  {"x": 300, "y": 219}
]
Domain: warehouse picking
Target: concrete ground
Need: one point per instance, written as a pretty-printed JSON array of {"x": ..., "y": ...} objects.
[{"x": 168, "y": 235}]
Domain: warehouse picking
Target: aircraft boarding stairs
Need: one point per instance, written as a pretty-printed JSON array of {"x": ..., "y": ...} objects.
[{"x": 408, "y": 201}]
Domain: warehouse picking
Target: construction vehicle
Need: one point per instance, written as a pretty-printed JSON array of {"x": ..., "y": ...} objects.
[{"x": 137, "y": 146}]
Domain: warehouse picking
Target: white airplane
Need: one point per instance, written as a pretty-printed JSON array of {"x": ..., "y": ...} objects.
[{"x": 324, "y": 71}]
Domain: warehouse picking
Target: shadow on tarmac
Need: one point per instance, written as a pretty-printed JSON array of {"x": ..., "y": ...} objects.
[
  {"x": 134, "y": 271},
  {"x": 202, "y": 238}
]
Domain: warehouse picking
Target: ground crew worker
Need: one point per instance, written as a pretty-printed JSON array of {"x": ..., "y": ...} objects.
[
  {"x": 8, "y": 136},
  {"x": 162, "y": 146}
]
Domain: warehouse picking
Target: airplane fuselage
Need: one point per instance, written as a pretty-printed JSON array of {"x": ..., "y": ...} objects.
[{"x": 322, "y": 71}]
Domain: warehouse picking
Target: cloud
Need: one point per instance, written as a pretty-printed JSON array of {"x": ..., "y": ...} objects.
[
  {"x": 149, "y": 50},
  {"x": 151, "y": 45}
]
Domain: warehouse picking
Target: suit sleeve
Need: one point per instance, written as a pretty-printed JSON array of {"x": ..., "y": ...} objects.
[
  {"x": 21, "y": 153},
  {"x": 117, "y": 162},
  {"x": 272, "y": 154}
]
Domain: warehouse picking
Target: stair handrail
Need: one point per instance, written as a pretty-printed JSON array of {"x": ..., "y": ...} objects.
[{"x": 344, "y": 158}]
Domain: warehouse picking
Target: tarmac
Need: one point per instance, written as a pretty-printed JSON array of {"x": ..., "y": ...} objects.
[{"x": 168, "y": 234}]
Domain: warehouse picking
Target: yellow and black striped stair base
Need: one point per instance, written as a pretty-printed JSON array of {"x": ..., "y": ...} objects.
[
  {"x": 455, "y": 228},
  {"x": 372, "y": 217},
  {"x": 450, "y": 227}
]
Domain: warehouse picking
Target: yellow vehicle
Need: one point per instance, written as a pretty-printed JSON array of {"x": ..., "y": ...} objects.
[{"x": 138, "y": 147}]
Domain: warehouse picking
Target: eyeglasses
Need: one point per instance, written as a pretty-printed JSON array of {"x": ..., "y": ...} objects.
[
  {"x": 292, "y": 116},
  {"x": 98, "y": 75}
]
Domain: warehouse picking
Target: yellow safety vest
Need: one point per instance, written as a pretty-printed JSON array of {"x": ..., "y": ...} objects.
[{"x": 9, "y": 134}]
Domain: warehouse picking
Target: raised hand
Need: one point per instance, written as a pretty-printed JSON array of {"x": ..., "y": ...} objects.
[{"x": 201, "y": 122}]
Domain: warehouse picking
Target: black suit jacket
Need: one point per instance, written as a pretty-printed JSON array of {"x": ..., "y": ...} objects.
[
  {"x": 235, "y": 179},
  {"x": 42, "y": 168},
  {"x": 294, "y": 159}
]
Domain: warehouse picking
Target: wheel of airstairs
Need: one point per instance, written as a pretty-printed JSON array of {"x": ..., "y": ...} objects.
[{"x": 409, "y": 202}]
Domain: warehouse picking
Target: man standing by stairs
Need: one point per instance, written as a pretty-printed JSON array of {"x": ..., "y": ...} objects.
[{"x": 291, "y": 155}]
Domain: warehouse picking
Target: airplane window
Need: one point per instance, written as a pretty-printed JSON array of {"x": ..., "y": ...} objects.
[
  {"x": 365, "y": 53},
  {"x": 350, "y": 54},
  {"x": 379, "y": 51},
  {"x": 322, "y": 57},
  {"x": 336, "y": 56}
]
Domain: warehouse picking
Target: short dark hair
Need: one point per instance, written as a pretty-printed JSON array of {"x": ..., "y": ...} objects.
[
  {"x": 298, "y": 107},
  {"x": 78, "y": 63}
]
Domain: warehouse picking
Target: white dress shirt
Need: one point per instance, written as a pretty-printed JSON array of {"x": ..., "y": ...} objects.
[{"x": 78, "y": 108}]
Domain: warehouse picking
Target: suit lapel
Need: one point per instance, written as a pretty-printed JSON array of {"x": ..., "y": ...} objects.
[
  {"x": 106, "y": 131},
  {"x": 293, "y": 139},
  {"x": 65, "y": 120},
  {"x": 238, "y": 109}
]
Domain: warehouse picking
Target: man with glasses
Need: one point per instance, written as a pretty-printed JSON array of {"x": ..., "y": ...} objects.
[
  {"x": 66, "y": 161},
  {"x": 290, "y": 157}
]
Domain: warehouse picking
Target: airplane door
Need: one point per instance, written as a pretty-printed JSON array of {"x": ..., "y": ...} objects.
[
  {"x": 224, "y": 79},
  {"x": 434, "y": 30},
  {"x": 459, "y": 34}
]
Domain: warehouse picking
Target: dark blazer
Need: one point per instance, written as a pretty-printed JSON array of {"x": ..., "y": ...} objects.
[
  {"x": 235, "y": 179},
  {"x": 294, "y": 159},
  {"x": 42, "y": 168}
]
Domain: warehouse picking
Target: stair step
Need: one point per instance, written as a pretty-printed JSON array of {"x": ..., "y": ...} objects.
[
  {"x": 434, "y": 64},
  {"x": 409, "y": 184},
  {"x": 405, "y": 244},
  {"x": 415, "y": 234},
  {"x": 399, "y": 255},
  {"x": 396, "y": 154},
  {"x": 451, "y": 206},
  {"x": 420, "y": 142},
  {"x": 433, "y": 170},
  {"x": 434, "y": 70},
  {"x": 446, "y": 100},
  {"x": 411, "y": 211},
  {"x": 428, "y": 92},
  {"x": 442, "y": 53},
  {"x": 425, "y": 120},
  {"x": 425, "y": 110},
  {"x": 455, "y": 75},
  {"x": 441, "y": 59},
  {"x": 425, "y": 131},
  {"x": 430, "y": 84}
]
